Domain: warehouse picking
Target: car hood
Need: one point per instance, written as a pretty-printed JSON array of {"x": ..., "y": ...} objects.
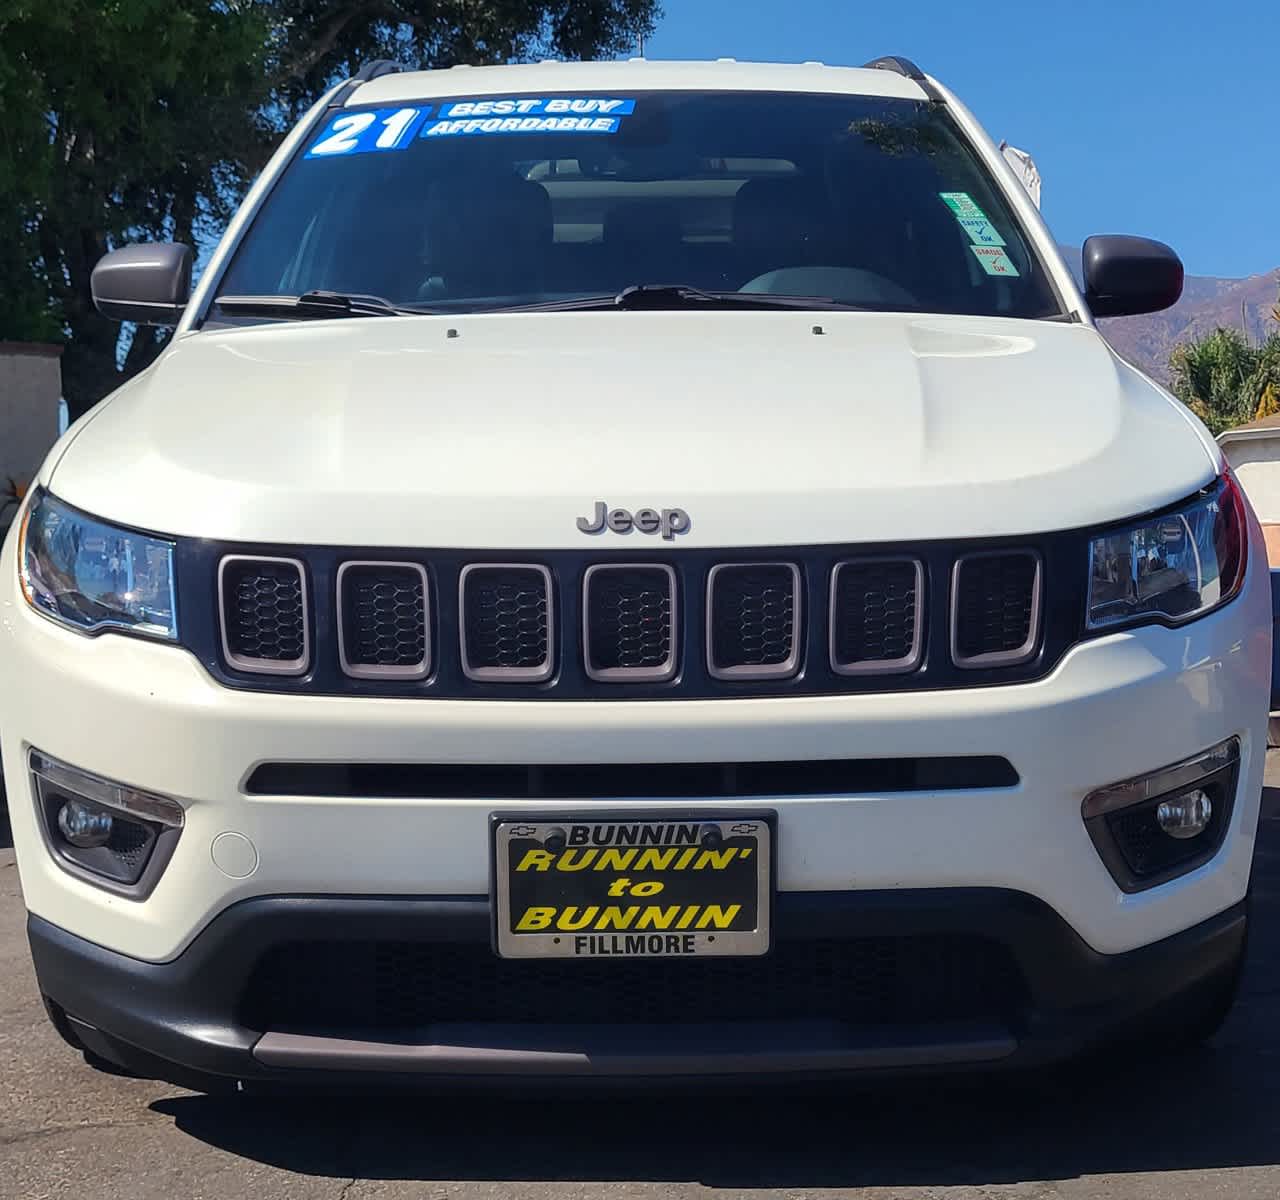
[{"x": 500, "y": 430}]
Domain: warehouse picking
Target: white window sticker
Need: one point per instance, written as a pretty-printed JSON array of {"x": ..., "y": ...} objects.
[
  {"x": 995, "y": 261},
  {"x": 970, "y": 217},
  {"x": 981, "y": 232},
  {"x": 962, "y": 204},
  {"x": 361, "y": 132},
  {"x": 530, "y": 114}
]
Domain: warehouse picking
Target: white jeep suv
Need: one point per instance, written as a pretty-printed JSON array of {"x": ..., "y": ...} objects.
[{"x": 633, "y": 569}]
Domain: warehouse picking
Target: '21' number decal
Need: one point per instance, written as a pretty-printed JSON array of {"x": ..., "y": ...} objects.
[{"x": 361, "y": 132}]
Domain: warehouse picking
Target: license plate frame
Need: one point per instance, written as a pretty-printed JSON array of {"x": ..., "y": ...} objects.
[{"x": 747, "y": 934}]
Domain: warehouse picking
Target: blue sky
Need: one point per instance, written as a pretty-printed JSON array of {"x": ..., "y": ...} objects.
[{"x": 1154, "y": 118}]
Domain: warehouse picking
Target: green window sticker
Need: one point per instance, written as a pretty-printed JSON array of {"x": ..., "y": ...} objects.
[
  {"x": 995, "y": 261},
  {"x": 962, "y": 204},
  {"x": 970, "y": 217}
]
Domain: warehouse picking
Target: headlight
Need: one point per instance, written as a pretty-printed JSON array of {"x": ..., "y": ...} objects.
[
  {"x": 93, "y": 576},
  {"x": 1172, "y": 567}
]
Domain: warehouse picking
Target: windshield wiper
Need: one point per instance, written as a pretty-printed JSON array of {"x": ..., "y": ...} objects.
[
  {"x": 318, "y": 305},
  {"x": 678, "y": 296}
]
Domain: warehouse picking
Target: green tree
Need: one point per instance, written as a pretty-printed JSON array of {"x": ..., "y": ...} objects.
[
  {"x": 130, "y": 120},
  {"x": 1224, "y": 378}
]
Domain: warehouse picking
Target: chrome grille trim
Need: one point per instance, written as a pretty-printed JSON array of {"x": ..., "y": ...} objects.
[
  {"x": 879, "y": 666},
  {"x": 535, "y": 674},
  {"x": 655, "y": 674},
  {"x": 419, "y": 670},
  {"x": 1002, "y": 658},
  {"x": 265, "y": 666},
  {"x": 749, "y": 671}
]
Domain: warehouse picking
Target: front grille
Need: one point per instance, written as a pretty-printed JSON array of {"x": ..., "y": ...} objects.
[
  {"x": 995, "y": 602},
  {"x": 263, "y": 604},
  {"x": 506, "y": 622},
  {"x": 628, "y": 624},
  {"x": 877, "y": 611},
  {"x": 583, "y": 624},
  {"x": 753, "y": 613},
  {"x": 332, "y": 988}
]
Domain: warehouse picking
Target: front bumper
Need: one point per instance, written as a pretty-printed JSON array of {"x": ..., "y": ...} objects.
[
  {"x": 192, "y": 1021},
  {"x": 1115, "y": 707}
]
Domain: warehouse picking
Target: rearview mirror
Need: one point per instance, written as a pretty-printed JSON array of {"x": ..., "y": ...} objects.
[
  {"x": 148, "y": 283},
  {"x": 1125, "y": 276}
]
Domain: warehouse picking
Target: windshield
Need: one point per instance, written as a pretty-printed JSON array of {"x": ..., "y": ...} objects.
[{"x": 491, "y": 202}]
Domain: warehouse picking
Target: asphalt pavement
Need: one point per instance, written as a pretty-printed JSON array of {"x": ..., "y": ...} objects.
[{"x": 1204, "y": 1126}]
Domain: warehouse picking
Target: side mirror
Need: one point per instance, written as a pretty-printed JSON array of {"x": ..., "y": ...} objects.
[
  {"x": 148, "y": 283},
  {"x": 1124, "y": 276}
]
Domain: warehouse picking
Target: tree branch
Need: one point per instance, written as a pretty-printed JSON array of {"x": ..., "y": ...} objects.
[{"x": 322, "y": 42}]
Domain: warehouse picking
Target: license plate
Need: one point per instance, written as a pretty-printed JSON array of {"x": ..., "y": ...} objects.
[{"x": 632, "y": 886}]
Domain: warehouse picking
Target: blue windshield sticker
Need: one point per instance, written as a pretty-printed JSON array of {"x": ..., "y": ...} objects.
[
  {"x": 362, "y": 132},
  {"x": 513, "y": 106}
]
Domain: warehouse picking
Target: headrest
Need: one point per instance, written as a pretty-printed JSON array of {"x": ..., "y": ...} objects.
[
  {"x": 785, "y": 216},
  {"x": 643, "y": 223},
  {"x": 467, "y": 216}
]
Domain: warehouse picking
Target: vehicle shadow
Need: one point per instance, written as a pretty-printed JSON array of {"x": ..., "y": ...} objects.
[
  {"x": 1203, "y": 1111},
  {"x": 6, "y": 834}
]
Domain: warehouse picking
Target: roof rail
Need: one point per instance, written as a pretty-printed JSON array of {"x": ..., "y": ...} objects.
[
  {"x": 897, "y": 64},
  {"x": 904, "y": 66},
  {"x": 378, "y": 68},
  {"x": 375, "y": 69}
]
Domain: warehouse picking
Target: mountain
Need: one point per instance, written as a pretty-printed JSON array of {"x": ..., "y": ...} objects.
[{"x": 1207, "y": 303}]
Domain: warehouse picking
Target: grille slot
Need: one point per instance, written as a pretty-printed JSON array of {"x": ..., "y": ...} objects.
[
  {"x": 384, "y": 620},
  {"x": 629, "y": 622},
  {"x": 507, "y": 622},
  {"x": 753, "y": 617},
  {"x": 629, "y": 781},
  {"x": 333, "y": 987},
  {"x": 262, "y": 607},
  {"x": 995, "y": 608},
  {"x": 877, "y": 616}
]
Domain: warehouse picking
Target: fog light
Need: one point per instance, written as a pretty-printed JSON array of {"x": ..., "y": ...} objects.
[
  {"x": 110, "y": 834},
  {"x": 1153, "y": 828},
  {"x": 82, "y": 826},
  {"x": 1185, "y": 816}
]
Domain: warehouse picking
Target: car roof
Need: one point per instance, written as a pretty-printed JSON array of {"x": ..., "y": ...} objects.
[{"x": 636, "y": 74}]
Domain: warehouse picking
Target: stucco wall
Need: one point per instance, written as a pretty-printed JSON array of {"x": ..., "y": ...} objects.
[
  {"x": 30, "y": 385},
  {"x": 1256, "y": 462}
]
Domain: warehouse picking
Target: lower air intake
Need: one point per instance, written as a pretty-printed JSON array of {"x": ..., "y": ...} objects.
[{"x": 330, "y": 988}]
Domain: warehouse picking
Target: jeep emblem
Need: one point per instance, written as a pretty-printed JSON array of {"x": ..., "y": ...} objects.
[{"x": 668, "y": 522}]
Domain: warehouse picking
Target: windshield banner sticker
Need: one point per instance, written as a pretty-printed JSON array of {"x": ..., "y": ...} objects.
[
  {"x": 972, "y": 219},
  {"x": 994, "y": 260},
  {"x": 361, "y": 132},
  {"x": 530, "y": 115}
]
